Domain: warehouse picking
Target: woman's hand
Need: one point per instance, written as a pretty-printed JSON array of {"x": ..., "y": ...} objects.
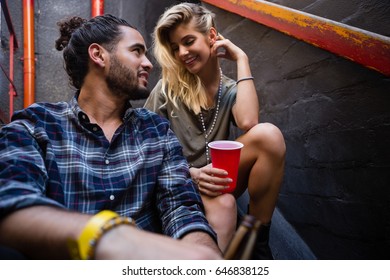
[
  {"x": 224, "y": 48},
  {"x": 210, "y": 181}
]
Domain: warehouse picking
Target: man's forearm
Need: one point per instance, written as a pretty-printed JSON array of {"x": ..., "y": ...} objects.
[
  {"x": 202, "y": 238},
  {"x": 41, "y": 232}
]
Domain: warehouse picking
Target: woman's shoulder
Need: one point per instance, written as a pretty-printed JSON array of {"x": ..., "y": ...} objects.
[
  {"x": 157, "y": 91},
  {"x": 229, "y": 86},
  {"x": 158, "y": 86},
  {"x": 228, "y": 82}
]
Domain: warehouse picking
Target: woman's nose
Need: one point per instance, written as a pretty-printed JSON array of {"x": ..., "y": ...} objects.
[{"x": 183, "y": 51}]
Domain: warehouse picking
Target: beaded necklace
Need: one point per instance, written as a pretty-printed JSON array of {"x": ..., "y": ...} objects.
[{"x": 206, "y": 135}]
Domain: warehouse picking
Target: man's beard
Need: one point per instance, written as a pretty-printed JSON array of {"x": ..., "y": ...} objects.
[{"x": 123, "y": 82}]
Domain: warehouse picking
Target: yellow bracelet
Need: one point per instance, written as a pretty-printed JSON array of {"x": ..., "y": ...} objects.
[
  {"x": 90, "y": 231},
  {"x": 106, "y": 227},
  {"x": 84, "y": 247}
]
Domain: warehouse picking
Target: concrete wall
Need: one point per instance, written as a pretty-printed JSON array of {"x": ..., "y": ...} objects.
[{"x": 334, "y": 114}]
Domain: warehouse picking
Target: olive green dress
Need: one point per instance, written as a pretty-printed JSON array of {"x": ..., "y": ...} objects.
[{"x": 188, "y": 126}]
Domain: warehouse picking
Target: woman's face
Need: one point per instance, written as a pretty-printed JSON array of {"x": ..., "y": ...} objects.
[{"x": 190, "y": 47}]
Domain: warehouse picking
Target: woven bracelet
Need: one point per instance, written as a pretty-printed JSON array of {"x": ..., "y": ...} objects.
[
  {"x": 102, "y": 222},
  {"x": 244, "y": 79},
  {"x": 104, "y": 229}
]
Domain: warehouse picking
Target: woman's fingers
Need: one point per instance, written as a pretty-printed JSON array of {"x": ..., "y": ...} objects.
[
  {"x": 213, "y": 186},
  {"x": 209, "y": 189},
  {"x": 212, "y": 181}
]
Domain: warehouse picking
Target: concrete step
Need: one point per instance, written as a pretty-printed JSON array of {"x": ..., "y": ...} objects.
[{"x": 285, "y": 242}]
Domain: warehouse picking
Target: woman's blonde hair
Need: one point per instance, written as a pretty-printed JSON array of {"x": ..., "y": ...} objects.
[{"x": 177, "y": 82}]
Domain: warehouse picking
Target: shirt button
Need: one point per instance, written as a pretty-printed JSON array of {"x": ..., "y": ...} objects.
[
  {"x": 112, "y": 197},
  {"x": 94, "y": 128},
  {"x": 107, "y": 161}
]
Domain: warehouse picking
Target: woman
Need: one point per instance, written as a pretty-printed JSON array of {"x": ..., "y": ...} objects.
[{"x": 201, "y": 103}]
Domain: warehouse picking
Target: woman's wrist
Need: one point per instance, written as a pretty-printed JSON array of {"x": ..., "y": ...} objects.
[
  {"x": 194, "y": 175},
  {"x": 243, "y": 58}
]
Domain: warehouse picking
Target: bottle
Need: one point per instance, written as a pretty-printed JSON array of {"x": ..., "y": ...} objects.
[{"x": 242, "y": 244}]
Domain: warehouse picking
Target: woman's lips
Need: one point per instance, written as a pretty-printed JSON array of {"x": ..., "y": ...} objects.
[{"x": 190, "y": 60}]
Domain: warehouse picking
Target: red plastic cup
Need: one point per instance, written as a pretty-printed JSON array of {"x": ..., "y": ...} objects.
[{"x": 225, "y": 155}]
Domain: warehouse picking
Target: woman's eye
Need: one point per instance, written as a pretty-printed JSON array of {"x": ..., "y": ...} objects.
[{"x": 189, "y": 42}]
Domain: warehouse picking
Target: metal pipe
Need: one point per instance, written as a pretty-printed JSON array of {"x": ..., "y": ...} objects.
[
  {"x": 97, "y": 7},
  {"x": 12, "y": 91},
  {"x": 29, "y": 50},
  {"x": 13, "y": 44}
]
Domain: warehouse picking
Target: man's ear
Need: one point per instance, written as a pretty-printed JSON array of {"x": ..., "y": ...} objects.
[{"x": 97, "y": 54}]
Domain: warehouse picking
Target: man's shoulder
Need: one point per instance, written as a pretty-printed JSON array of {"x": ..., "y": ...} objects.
[
  {"x": 145, "y": 113},
  {"x": 42, "y": 112},
  {"x": 149, "y": 119},
  {"x": 45, "y": 107}
]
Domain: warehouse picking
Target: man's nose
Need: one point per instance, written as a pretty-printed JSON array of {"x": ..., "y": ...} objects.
[{"x": 147, "y": 64}]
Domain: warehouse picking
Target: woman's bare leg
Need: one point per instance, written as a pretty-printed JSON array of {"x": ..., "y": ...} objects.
[
  {"x": 262, "y": 168},
  {"x": 221, "y": 213}
]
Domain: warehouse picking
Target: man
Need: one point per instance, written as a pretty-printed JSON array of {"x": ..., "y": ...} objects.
[{"x": 62, "y": 164}]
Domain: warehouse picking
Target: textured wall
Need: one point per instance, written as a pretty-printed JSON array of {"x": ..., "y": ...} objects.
[
  {"x": 335, "y": 116},
  {"x": 333, "y": 113}
]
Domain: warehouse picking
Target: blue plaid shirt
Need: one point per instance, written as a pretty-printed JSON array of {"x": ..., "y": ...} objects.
[{"x": 51, "y": 154}]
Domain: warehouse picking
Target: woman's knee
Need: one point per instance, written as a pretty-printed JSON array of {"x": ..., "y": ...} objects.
[
  {"x": 226, "y": 202},
  {"x": 221, "y": 212},
  {"x": 269, "y": 138}
]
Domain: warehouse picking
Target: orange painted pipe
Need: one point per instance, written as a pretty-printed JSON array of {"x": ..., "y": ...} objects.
[
  {"x": 366, "y": 48},
  {"x": 97, "y": 7},
  {"x": 29, "y": 52}
]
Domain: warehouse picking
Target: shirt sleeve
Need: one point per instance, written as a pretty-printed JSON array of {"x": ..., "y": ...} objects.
[
  {"x": 23, "y": 175},
  {"x": 179, "y": 202}
]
